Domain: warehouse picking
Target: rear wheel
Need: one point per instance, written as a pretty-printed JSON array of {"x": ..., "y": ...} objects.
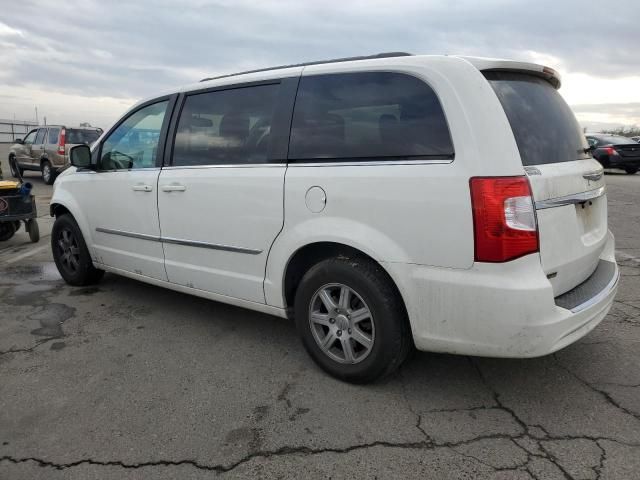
[
  {"x": 16, "y": 171},
  {"x": 351, "y": 319},
  {"x": 71, "y": 254},
  {"x": 48, "y": 175},
  {"x": 631, "y": 170},
  {"x": 33, "y": 230}
]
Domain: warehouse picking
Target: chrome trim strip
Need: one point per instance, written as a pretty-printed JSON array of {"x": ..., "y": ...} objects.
[
  {"x": 128, "y": 170},
  {"x": 315, "y": 164},
  {"x": 231, "y": 165},
  {"x": 213, "y": 246},
  {"x": 597, "y": 298},
  {"x": 141, "y": 236},
  {"x": 571, "y": 199},
  {"x": 371, "y": 163},
  {"x": 178, "y": 241}
]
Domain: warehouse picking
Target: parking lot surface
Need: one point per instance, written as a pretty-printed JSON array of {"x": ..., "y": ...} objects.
[{"x": 125, "y": 380}]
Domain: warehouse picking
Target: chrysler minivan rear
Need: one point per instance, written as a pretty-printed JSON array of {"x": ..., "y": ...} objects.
[{"x": 544, "y": 272}]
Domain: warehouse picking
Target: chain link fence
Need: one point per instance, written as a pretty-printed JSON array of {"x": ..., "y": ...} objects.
[{"x": 12, "y": 129}]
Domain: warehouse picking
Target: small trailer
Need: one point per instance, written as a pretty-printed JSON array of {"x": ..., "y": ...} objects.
[{"x": 17, "y": 205}]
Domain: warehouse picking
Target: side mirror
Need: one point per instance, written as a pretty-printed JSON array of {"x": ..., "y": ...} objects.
[
  {"x": 80, "y": 156},
  {"x": 18, "y": 140}
]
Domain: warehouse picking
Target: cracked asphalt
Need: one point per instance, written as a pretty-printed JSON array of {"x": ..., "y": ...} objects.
[{"x": 129, "y": 381}]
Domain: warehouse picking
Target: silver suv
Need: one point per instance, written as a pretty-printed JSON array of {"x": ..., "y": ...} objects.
[{"x": 46, "y": 149}]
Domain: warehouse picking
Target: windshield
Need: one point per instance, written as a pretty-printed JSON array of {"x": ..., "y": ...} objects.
[
  {"x": 543, "y": 125},
  {"x": 77, "y": 136}
]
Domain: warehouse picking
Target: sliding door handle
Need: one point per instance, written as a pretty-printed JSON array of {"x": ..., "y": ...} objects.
[
  {"x": 173, "y": 187},
  {"x": 142, "y": 188}
]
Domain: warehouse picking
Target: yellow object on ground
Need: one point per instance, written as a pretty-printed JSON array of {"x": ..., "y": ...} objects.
[{"x": 6, "y": 184}]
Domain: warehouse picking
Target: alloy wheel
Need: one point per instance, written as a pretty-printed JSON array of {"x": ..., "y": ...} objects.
[
  {"x": 69, "y": 251},
  {"x": 341, "y": 323},
  {"x": 46, "y": 172}
]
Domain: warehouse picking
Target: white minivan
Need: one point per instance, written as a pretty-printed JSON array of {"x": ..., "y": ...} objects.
[{"x": 387, "y": 202}]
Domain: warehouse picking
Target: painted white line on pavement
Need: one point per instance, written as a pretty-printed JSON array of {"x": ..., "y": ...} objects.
[{"x": 26, "y": 254}]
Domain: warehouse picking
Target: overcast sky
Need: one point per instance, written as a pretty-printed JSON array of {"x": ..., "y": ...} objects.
[{"x": 90, "y": 60}]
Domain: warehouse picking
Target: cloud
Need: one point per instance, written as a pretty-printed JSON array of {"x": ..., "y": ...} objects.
[
  {"x": 91, "y": 49},
  {"x": 7, "y": 31}
]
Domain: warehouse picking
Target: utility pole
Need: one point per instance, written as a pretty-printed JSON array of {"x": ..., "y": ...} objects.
[{"x": 37, "y": 115}]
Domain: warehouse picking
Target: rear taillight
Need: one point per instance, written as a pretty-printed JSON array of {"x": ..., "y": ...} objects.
[
  {"x": 504, "y": 218},
  {"x": 610, "y": 151},
  {"x": 61, "y": 141}
]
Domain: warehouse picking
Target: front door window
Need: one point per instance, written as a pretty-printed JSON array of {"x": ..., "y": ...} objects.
[{"x": 134, "y": 143}]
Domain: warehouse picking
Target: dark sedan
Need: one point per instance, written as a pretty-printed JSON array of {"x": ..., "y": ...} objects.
[{"x": 614, "y": 151}]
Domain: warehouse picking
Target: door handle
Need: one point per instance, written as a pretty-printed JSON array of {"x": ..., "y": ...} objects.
[
  {"x": 174, "y": 187},
  {"x": 142, "y": 188}
]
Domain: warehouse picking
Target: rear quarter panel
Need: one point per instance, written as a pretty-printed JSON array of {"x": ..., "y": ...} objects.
[{"x": 404, "y": 213}]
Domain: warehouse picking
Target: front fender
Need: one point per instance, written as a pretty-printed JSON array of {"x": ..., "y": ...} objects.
[
  {"x": 61, "y": 197},
  {"x": 323, "y": 229}
]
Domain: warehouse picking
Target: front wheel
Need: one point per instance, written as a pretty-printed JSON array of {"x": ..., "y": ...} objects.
[
  {"x": 71, "y": 254},
  {"x": 631, "y": 170},
  {"x": 351, "y": 319}
]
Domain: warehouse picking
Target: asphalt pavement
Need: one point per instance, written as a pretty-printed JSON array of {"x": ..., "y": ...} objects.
[{"x": 127, "y": 381}]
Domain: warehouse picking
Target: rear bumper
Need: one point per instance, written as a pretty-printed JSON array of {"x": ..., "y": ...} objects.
[{"x": 502, "y": 310}]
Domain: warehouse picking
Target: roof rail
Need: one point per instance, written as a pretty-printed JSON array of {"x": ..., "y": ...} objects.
[{"x": 318, "y": 62}]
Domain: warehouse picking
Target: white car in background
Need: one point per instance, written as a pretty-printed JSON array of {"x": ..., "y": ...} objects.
[{"x": 447, "y": 203}]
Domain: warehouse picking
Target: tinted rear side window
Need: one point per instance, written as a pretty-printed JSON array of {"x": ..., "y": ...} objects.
[
  {"x": 360, "y": 116},
  {"x": 77, "y": 136},
  {"x": 543, "y": 125},
  {"x": 53, "y": 136},
  {"x": 226, "y": 127}
]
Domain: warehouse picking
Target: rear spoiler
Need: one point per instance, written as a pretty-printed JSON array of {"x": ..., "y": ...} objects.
[{"x": 498, "y": 65}]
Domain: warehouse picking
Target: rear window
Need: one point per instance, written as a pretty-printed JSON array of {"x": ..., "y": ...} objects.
[
  {"x": 543, "y": 125},
  {"x": 612, "y": 140},
  {"x": 77, "y": 136},
  {"x": 367, "y": 115}
]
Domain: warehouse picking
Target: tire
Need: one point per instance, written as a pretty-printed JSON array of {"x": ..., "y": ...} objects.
[
  {"x": 16, "y": 171},
  {"x": 33, "y": 230},
  {"x": 386, "y": 328},
  {"x": 631, "y": 170},
  {"x": 48, "y": 175},
  {"x": 70, "y": 253},
  {"x": 7, "y": 230}
]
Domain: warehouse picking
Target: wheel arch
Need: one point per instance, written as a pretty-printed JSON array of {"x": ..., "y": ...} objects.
[
  {"x": 57, "y": 209},
  {"x": 312, "y": 253},
  {"x": 60, "y": 205}
]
